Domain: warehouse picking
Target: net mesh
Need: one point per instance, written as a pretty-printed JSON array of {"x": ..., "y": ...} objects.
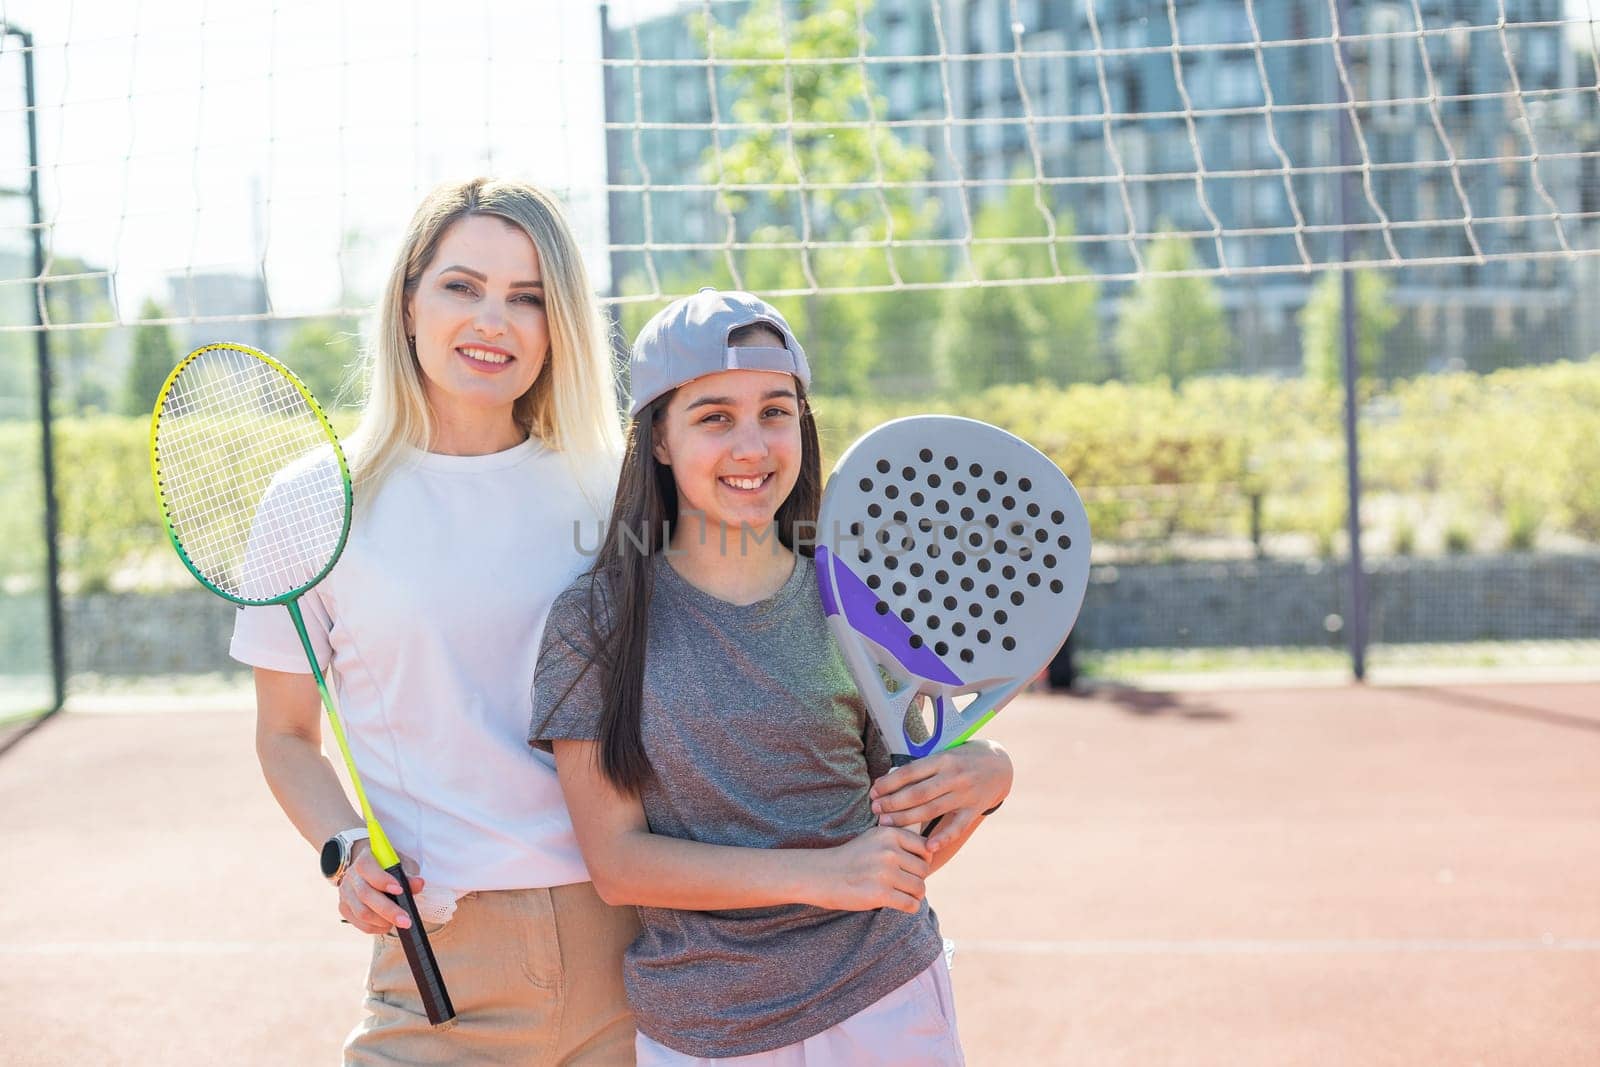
[
  {"x": 1212, "y": 123},
  {"x": 197, "y": 172},
  {"x": 249, "y": 480},
  {"x": 1115, "y": 227}
]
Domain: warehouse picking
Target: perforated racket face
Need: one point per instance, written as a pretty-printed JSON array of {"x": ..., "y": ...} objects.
[
  {"x": 252, "y": 482},
  {"x": 955, "y": 556}
]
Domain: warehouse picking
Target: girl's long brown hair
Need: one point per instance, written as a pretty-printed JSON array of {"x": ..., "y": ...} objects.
[{"x": 643, "y": 517}]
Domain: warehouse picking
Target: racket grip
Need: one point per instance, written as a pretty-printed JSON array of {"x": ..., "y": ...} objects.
[{"x": 419, "y": 954}]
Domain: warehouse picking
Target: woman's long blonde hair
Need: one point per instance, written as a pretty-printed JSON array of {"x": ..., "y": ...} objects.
[{"x": 572, "y": 405}]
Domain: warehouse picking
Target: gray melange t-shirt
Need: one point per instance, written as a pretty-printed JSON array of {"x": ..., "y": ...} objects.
[{"x": 757, "y": 738}]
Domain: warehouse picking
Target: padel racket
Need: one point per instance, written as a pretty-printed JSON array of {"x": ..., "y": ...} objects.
[
  {"x": 953, "y": 558},
  {"x": 255, "y": 492}
]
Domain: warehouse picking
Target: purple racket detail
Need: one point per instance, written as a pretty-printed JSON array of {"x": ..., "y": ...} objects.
[
  {"x": 952, "y": 561},
  {"x": 859, "y": 605}
]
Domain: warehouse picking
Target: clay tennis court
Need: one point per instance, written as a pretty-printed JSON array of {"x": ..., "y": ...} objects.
[{"x": 1317, "y": 876}]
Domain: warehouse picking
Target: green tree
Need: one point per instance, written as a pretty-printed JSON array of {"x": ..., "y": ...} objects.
[
  {"x": 1171, "y": 326},
  {"x": 155, "y": 353},
  {"x": 773, "y": 94},
  {"x": 78, "y": 356},
  {"x": 325, "y": 354},
  {"x": 1322, "y": 325},
  {"x": 853, "y": 338},
  {"x": 988, "y": 338},
  {"x": 18, "y": 374},
  {"x": 992, "y": 335},
  {"x": 903, "y": 328}
]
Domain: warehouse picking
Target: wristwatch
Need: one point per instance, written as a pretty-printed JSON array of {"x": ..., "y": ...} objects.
[{"x": 336, "y": 853}]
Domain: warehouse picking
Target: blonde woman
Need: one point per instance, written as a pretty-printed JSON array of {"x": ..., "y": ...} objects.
[{"x": 491, "y": 434}]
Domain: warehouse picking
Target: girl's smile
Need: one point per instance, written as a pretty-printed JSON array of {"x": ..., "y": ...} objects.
[{"x": 750, "y": 483}]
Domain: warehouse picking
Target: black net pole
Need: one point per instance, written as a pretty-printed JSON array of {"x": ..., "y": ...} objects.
[
  {"x": 58, "y": 657},
  {"x": 1355, "y": 623}
]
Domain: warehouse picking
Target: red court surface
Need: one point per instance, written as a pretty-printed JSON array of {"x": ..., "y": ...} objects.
[{"x": 1330, "y": 876}]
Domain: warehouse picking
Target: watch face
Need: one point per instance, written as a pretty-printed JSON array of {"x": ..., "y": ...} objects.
[{"x": 332, "y": 857}]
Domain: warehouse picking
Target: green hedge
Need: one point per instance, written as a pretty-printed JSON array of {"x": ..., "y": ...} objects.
[
  {"x": 1517, "y": 449},
  {"x": 1522, "y": 445},
  {"x": 107, "y": 512}
]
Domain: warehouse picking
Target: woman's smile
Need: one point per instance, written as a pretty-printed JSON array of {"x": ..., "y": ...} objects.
[{"x": 485, "y": 357}]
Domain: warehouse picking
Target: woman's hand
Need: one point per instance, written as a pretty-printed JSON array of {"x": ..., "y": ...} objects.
[
  {"x": 289, "y": 746},
  {"x": 883, "y": 868},
  {"x": 961, "y": 783},
  {"x": 363, "y": 890}
]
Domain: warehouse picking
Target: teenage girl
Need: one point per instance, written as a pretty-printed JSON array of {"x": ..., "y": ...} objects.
[{"x": 720, "y": 768}]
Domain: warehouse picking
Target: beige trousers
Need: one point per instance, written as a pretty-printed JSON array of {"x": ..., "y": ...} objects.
[{"x": 535, "y": 976}]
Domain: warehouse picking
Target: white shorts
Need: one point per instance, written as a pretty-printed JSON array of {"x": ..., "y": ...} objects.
[{"x": 914, "y": 1026}]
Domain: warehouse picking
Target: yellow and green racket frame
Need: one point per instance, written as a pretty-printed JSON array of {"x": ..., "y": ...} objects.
[{"x": 419, "y": 953}]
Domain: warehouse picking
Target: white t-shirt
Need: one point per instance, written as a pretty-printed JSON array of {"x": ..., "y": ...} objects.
[{"x": 428, "y": 628}]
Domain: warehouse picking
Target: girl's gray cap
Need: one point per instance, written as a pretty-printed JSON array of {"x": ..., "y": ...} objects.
[{"x": 688, "y": 339}]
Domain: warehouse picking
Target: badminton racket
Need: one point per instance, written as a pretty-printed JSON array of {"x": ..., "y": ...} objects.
[{"x": 255, "y": 492}]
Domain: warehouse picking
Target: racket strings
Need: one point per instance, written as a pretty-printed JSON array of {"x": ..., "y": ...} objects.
[{"x": 249, "y": 481}]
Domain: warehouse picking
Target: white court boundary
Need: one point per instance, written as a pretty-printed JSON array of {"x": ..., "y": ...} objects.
[
  {"x": 1266, "y": 947},
  {"x": 964, "y": 947}
]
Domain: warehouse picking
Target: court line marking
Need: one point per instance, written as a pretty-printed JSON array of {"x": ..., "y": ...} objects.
[
  {"x": 1264, "y": 947},
  {"x": 181, "y": 948},
  {"x": 989, "y": 946}
]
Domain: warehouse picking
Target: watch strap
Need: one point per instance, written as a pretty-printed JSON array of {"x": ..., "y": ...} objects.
[{"x": 345, "y": 841}]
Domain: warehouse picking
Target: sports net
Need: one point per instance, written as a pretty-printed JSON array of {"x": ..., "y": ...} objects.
[
  {"x": 897, "y": 126},
  {"x": 1114, "y": 226},
  {"x": 1120, "y": 229}
]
